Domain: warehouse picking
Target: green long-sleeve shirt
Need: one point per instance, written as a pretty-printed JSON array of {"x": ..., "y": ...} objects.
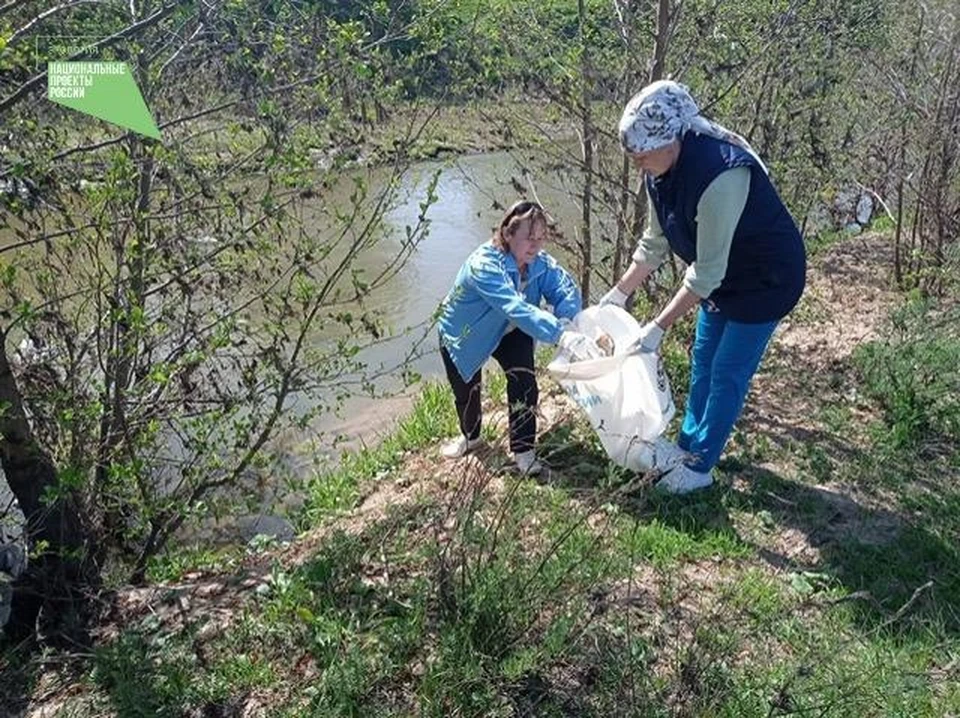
[{"x": 718, "y": 213}]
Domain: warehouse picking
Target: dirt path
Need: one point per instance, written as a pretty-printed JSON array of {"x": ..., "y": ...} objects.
[
  {"x": 806, "y": 375},
  {"x": 847, "y": 299}
]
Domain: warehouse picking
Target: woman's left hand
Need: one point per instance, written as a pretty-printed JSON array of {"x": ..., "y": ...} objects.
[{"x": 651, "y": 334}]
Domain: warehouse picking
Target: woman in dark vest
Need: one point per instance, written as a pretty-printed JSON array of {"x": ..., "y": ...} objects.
[{"x": 712, "y": 204}]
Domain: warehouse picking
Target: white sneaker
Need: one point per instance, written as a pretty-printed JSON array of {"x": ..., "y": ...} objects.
[
  {"x": 460, "y": 446},
  {"x": 682, "y": 480},
  {"x": 667, "y": 455},
  {"x": 527, "y": 463}
]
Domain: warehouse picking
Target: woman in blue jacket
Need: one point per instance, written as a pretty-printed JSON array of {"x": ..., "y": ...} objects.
[
  {"x": 712, "y": 204},
  {"x": 494, "y": 310}
]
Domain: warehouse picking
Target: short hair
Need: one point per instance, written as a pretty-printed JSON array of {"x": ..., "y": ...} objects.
[{"x": 518, "y": 213}]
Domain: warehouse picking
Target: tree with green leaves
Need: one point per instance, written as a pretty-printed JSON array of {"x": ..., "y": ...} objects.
[{"x": 169, "y": 308}]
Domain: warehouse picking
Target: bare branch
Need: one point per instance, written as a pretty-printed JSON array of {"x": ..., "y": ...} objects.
[
  {"x": 199, "y": 29},
  {"x": 18, "y": 34}
]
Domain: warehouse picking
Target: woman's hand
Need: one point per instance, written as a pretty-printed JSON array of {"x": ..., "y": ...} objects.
[
  {"x": 614, "y": 297},
  {"x": 683, "y": 301},
  {"x": 631, "y": 279},
  {"x": 651, "y": 335}
]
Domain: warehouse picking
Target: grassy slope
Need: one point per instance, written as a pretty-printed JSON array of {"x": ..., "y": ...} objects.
[{"x": 821, "y": 577}]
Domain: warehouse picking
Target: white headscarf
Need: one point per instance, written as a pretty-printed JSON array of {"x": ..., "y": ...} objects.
[{"x": 663, "y": 111}]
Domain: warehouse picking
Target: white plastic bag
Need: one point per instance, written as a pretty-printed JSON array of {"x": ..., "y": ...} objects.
[{"x": 626, "y": 396}]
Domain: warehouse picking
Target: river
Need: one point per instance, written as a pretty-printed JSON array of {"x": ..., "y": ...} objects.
[{"x": 470, "y": 192}]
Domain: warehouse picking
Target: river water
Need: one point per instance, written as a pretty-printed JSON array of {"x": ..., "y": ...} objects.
[{"x": 471, "y": 192}]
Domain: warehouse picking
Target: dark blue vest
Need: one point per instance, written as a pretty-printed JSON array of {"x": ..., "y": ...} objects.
[{"x": 766, "y": 269}]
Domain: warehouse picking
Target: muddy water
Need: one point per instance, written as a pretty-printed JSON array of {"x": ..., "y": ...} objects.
[
  {"x": 470, "y": 192},
  {"x": 470, "y": 195}
]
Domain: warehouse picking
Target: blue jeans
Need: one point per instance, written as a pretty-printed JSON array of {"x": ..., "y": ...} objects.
[{"x": 726, "y": 355}]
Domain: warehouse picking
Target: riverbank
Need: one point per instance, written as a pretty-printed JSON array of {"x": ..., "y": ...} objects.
[
  {"x": 821, "y": 575},
  {"x": 441, "y": 131}
]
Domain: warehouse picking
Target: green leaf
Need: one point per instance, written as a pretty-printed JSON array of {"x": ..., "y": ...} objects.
[{"x": 800, "y": 584}]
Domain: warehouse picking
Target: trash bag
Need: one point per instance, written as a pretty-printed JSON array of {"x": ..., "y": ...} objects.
[{"x": 626, "y": 396}]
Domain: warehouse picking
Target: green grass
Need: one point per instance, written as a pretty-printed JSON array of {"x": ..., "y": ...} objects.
[
  {"x": 174, "y": 564},
  {"x": 337, "y": 490},
  {"x": 579, "y": 594},
  {"x": 818, "y": 244},
  {"x": 384, "y": 623},
  {"x": 913, "y": 376},
  {"x": 432, "y": 416},
  {"x": 663, "y": 546},
  {"x": 164, "y": 676}
]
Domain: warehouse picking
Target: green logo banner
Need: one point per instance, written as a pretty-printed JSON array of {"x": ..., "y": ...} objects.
[{"x": 103, "y": 89}]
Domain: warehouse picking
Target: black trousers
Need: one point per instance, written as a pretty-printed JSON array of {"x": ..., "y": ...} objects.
[{"x": 515, "y": 356}]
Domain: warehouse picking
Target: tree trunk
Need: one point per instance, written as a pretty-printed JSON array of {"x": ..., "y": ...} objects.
[
  {"x": 620, "y": 247},
  {"x": 587, "y": 129},
  {"x": 658, "y": 63},
  {"x": 622, "y": 242}
]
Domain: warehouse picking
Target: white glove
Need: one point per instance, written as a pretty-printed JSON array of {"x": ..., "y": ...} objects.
[
  {"x": 579, "y": 347},
  {"x": 651, "y": 334},
  {"x": 614, "y": 296}
]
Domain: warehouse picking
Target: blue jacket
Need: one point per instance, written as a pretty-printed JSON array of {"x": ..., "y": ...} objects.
[
  {"x": 766, "y": 269},
  {"x": 486, "y": 299}
]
